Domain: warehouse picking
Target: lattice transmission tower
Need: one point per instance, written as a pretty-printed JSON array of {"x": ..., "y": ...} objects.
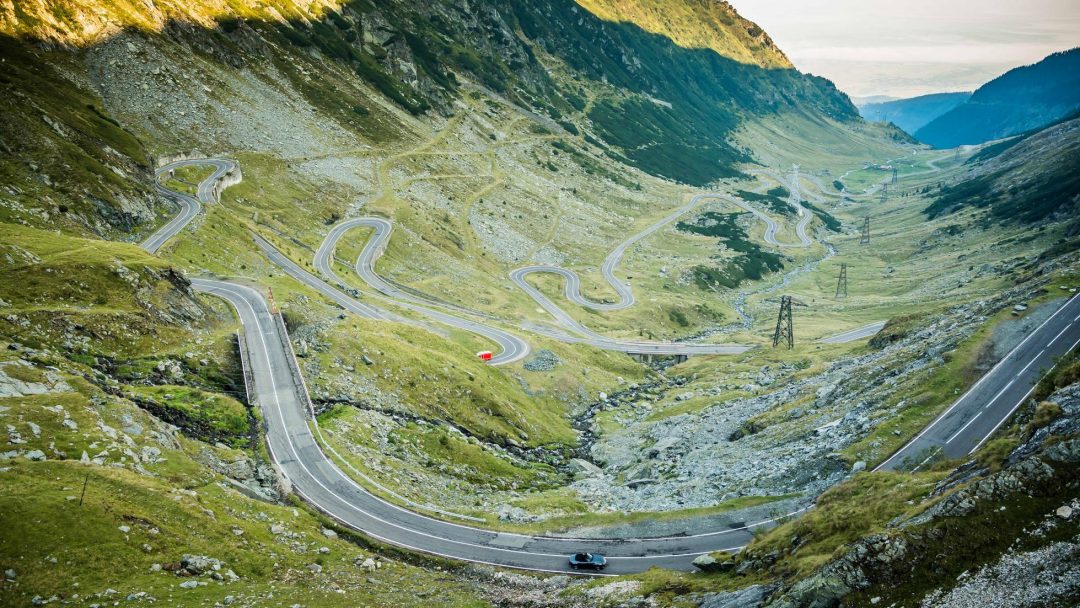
[
  {"x": 841, "y": 283},
  {"x": 784, "y": 332}
]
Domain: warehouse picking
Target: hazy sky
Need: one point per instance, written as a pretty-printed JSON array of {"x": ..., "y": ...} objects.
[{"x": 911, "y": 47}]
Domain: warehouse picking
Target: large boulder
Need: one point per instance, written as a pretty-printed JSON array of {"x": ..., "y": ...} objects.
[
  {"x": 750, "y": 597},
  {"x": 199, "y": 564},
  {"x": 713, "y": 563}
]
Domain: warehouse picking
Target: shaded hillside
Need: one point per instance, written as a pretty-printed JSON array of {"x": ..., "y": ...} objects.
[
  {"x": 1031, "y": 178},
  {"x": 914, "y": 113},
  {"x": 1022, "y": 99}
]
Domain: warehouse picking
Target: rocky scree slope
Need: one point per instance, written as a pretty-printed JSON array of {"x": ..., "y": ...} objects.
[
  {"x": 804, "y": 423},
  {"x": 980, "y": 528},
  {"x": 65, "y": 162}
]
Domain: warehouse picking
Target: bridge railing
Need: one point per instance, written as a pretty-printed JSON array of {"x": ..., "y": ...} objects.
[
  {"x": 249, "y": 379},
  {"x": 302, "y": 391}
]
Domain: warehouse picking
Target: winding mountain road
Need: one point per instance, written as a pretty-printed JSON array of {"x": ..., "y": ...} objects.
[
  {"x": 296, "y": 449},
  {"x": 572, "y": 282},
  {"x": 795, "y": 195},
  {"x": 295, "y": 446},
  {"x": 278, "y": 387},
  {"x": 189, "y": 206},
  {"x": 513, "y": 347}
]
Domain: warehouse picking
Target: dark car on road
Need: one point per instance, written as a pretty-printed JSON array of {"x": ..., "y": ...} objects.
[{"x": 594, "y": 561}]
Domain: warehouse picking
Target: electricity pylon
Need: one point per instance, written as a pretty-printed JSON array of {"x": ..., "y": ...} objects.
[
  {"x": 865, "y": 240},
  {"x": 884, "y": 192},
  {"x": 784, "y": 332},
  {"x": 841, "y": 283},
  {"x": 895, "y": 171},
  {"x": 783, "y": 324}
]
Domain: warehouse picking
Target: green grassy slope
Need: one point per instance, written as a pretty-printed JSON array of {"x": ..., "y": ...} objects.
[
  {"x": 152, "y": 503},
  {"x": 67, "y": 163},
  {"x": 1027, "y": 180}
]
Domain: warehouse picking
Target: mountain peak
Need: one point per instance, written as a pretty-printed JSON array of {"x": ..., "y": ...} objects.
[{"x": 700, "y": 24}]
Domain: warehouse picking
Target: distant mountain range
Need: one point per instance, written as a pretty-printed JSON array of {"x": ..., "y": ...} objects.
[
  {"x": 1020, "y": 100},
  {"x": 869, "y": 99},
  {"x": 914, "y": 113}
]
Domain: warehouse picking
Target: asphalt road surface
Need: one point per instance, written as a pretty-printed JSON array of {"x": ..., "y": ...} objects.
[
  {"x": 974, "y": 417},
  {"x": 795, "y": 195},
  {"x": 280, "y": 391},
  {"x": 855, "y": 334},
  {"x": 572, "y": 283},
  {"x": 189, "y": 206},
  {"x": 512, "y": 347}
]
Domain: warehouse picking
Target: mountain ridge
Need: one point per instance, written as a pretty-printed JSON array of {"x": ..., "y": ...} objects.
[
  {"x": 710, "y": 24},
  {"x": 1022, "y": 99},
  {"x": 646, "y": 100},
  {"x": 913, "y": 113}
]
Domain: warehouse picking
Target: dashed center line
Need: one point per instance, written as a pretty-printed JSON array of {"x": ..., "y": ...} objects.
[
  {"x": 932, "y": 454},
  {"x": 1005, "y": 388},
  {"x": 1033, "y": 360},
  {"x": 1066, "y": 328},
  {"x": 954, "y": 435}
]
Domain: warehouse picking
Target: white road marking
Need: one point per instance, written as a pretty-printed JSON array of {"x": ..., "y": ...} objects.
[
  {"x": 1033, "y": 360},
  {"x": 999, "y": 393},
  {"x": 1063, "y": 330},
  {"x": 932, "y": 454},
  {"x": 963, "y": 428},
  {"x": 1002, "y": 421},
  {"x": 976, "y": 385},
  {"x": 293, "y": 448}
]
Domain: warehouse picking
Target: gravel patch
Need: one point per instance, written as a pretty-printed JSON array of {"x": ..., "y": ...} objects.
[
  {"x": 1045, "y": 577},
  {"x": 543, "y": 361}
]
